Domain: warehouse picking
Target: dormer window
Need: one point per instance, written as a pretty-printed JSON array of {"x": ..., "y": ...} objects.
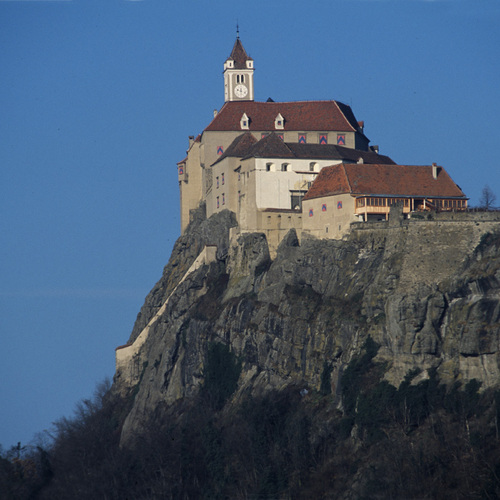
[
  {"x": 244, "y": 122},
  {"x": 279, "y": 122},
  {"x": 249, "y": 64}
]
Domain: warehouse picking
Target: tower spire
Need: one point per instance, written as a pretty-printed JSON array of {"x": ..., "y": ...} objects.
[{"x": 238, "y": 73}]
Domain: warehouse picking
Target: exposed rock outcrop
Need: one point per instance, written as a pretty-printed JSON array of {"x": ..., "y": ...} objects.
[{"x": 427, "y": 291}]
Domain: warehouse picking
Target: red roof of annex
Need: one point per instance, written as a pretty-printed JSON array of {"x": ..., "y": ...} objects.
[{"x": 384, "y": 180}]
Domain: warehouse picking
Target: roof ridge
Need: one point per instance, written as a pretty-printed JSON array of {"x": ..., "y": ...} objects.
[{"x": 347, "y": 177}]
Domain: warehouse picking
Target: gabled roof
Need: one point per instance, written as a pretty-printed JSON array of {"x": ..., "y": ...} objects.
[
  {"x": 383, "y": 180},
  {"x": 239, "y": 147},
  {"x": 271, "y": 146},
  {"x": 239, "y": 55},
  {"x": 301, "y": 116},
  {"x": 334, "y": 152}
]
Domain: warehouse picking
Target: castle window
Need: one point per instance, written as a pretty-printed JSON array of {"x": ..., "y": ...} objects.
[
  {"x": 313, "y": 167},
  {"x": 284, "y": 167},
  {"x": 223, "y": 198},
  {"x": 323, "y": 138},
  {"x": 242, "y": 78},
  {"x": 269, "y": 167},
  {"x": 341, "y": 139},
  {"x": 244, "y": 122},
  {"x": 217, "y": 202},
  {"x": 302, "y": 138},
  {"x": 217, "y": 182},
  {"x": 279, "y": 122},
  {"x": 222, "y": 179},
  {"x": 237, "y": 78},
  {"x": 296, "y": 199}
]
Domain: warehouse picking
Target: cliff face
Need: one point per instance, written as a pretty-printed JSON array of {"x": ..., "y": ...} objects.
[{"x": 426, "y": 291}]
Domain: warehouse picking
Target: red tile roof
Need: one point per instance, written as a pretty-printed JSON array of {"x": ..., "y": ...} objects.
[
  {"x": 303, "y": 116},
  {"x": 239, "y": 55},
  {"x": 384, "y": 180}
]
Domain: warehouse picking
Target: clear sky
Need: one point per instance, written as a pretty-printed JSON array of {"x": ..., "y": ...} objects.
[{"x": 97, "y": 100}]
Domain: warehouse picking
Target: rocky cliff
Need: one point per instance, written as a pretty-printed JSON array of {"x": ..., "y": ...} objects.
[{"x": 425, "y": 290}]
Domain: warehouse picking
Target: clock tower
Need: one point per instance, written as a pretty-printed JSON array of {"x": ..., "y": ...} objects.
[{"x": 238, "y": 74}]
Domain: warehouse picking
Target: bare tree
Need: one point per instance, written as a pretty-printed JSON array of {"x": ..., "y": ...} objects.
[{"x": 487, "y": 199}]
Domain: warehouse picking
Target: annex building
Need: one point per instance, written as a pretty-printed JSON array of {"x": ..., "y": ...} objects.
[{"x": 306, "y": 165}]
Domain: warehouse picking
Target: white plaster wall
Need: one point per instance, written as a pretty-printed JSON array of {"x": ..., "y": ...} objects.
[{"x": 273, "y": 188}]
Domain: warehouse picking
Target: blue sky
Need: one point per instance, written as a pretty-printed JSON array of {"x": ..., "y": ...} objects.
[{"x": 97, "y": 100}]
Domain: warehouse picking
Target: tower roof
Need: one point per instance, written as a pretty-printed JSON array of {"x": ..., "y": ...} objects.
[{"x": 239, "y": 55}]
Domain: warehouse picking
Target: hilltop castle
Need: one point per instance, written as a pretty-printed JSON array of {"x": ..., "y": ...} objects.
[{"x": 306, "y": 165}]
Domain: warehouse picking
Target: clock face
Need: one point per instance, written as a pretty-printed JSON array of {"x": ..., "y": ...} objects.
[{"x": 240, "y": 90}]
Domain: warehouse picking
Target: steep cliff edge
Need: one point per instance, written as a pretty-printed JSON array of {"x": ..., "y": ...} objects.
[{"x": 426, "y": 291}]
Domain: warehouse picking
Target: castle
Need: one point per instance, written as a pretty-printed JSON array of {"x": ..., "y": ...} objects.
[{"x": 305, "y": 165}]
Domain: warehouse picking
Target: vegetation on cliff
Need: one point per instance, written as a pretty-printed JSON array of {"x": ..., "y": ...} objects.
[
  {"x": 364, "y": 368},
  {"x": 421, "y": 440}
]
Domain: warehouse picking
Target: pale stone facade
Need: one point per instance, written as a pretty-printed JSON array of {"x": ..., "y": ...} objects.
[
  {"x": 265, "y": 186},
  {"x": 328, "y": 217}
]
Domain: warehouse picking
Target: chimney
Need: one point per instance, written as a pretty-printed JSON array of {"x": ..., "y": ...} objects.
[
  {"x": 215, "y": 113},
  {"x": 435, "y": 171},
  {"x": 191, "y": 140},
  {"x": 360, "y": 160}
]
